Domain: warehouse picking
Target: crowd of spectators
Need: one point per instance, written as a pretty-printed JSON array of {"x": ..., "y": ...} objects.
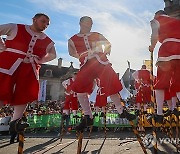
[
  {"x": 55, "y": 107},
  {"x": 36, "y": 108}
]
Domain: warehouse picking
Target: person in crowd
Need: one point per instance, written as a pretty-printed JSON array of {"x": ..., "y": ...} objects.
[
  {"x": 71, "y": 101},
  {"x": 101, "y": 100},
  {"x": 143, "y": 89}
]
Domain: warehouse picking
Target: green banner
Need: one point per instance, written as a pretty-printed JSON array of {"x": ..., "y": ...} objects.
[{"x": 54, "y": 120}]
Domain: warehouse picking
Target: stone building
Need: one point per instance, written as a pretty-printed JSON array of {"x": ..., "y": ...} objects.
[{"x": 55, "y": 74}]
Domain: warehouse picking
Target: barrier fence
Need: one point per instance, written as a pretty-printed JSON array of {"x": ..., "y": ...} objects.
[
  {"x": 112, "y": 120},
  {"x": 54, "y": 120}
]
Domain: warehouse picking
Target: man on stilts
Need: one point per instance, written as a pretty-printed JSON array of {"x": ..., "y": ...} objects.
[
  {"x": 142, "y": 84},
  {"x": 101, "y": 100},
  {"x": 87, "y": 47},
  {"x": 71, "y": 103},
  {"x": 26, "y": 47},
  {"x": 166, "y": 30}
]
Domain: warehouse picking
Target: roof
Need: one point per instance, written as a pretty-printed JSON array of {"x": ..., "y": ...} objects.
[{"x": 56, "y": 71}]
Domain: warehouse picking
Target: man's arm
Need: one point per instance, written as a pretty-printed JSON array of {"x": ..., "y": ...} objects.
[
  {"x": 154, "y": 35},
  {"x": 72, "y": 49},
  {"x": 51, "y": 54},
  {"x": 7, "y": 29},
  {"x": 106, "y": 43},
  {"x": 65, "y": 83}
]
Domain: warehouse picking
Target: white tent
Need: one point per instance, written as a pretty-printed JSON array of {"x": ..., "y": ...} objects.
[{"x": 124, "y": 92}]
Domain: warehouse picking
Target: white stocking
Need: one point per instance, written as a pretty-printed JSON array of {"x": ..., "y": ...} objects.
[
  {"x": 160, "y": 101},
  {"x": 97, "y": 109},
  {"x": 85, "y": 104},
  {"x": 145, "y": 107},
  {"x": 103, "y": 109},
  {"x": 174, "y": 100},
  {"x": 117, "y": 101},
  {"x": 138, "y": 106},
  {"x": 66, "y": 112},
  {"x": 18, "y": 111},
  {"x": 178, "y": 95},
  {"x": 74, "y": 112},
  {"x": 169, "y": 102}
]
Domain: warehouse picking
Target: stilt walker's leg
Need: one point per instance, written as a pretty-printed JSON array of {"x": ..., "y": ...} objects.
[
  {"x": 105, "y": 129},
  {"x": 21, "y": 142},
  {"x": 138, "y": 137},
  {"x": 87, "y": 120},
  {"x": 140, "y": 117},
  {"x": 170, "y": 126},
  {"x": 177, "y": 130},
  {"x": 62, "y": 127},
  {"x": 90, "y": 131},
  {"x": 154, "y": 106},
  {"x": 80, "y": 138},
  {"x": 18, "y": 126}
]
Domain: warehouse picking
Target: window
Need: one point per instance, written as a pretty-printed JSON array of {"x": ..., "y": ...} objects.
[
  {"x": 48, "y": 73},
  {"x": 48, "y": 92}
]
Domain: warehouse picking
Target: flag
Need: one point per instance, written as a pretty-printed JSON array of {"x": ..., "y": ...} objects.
[
  {"x": 148, "y": 64},
  {"x": 42, "y": 92},
  {"x": 128, "y": 64}
]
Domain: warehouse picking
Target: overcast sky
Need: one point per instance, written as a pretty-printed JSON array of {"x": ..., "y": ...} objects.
[{"x": 125, "y": 23}]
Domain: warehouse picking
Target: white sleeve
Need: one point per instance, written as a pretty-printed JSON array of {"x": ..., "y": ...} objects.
[
  {"x": 7, "y": 29},
  {"x": 10, "y": 31},
  {"x": 155, "y": 32},
  {"x": 65, "y": 83}
]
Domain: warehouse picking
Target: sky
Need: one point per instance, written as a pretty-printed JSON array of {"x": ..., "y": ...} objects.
[{"x": 125, "y": 23}]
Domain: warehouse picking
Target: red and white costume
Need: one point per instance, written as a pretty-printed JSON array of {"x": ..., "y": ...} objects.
[
  {"x": 142, "y": 85},
  {"x": 19, "y": 72},
  {"x": 169, "y": 52},
  {"x": 71, "y": 101},
  {"x": 94, "y": 64},
  {"x": 101, "y": 98}
]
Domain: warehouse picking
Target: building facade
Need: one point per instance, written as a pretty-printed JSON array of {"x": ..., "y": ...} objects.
[{"x": 55, "y": 75}]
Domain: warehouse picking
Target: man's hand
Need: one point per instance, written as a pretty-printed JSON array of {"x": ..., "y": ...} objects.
[
  {"x": 107, "y": 52},
  {"x": 151, "y": 49}
]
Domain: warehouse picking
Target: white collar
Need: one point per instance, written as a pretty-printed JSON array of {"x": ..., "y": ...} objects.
[
  {"x": 85, "y": 34},
  {"x": 32, "y": 33}
]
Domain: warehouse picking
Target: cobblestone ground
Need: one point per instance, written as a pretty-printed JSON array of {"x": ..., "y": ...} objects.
[{"x": 117, "y": 142}]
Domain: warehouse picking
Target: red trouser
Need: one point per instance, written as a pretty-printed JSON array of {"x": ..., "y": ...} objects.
[
  {"x": 168, "y": 76},
  {"x": 92, "y": 70},
  {"x": 143, "y": 95},
  {"x": 101, "y": 100},
  {"x": 71, "y": 103},
  {"x": 20, "y": 88}
]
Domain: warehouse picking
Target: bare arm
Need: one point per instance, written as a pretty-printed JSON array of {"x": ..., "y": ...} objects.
[
  {"x": 8, "y": 30},
  {"x": 51, "y": 54},
  {"x": 106, "y": 43},
  {"x": 72, "y": 49},
  {"x": 154, "y": 35}
]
